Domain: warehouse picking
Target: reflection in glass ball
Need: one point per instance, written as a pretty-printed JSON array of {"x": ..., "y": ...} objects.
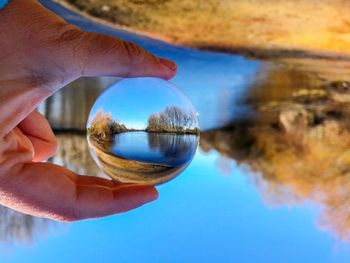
[{"x": 143, "y": 130}]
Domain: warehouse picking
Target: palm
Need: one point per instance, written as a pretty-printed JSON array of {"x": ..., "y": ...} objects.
[{"x": 40, "y": 54}]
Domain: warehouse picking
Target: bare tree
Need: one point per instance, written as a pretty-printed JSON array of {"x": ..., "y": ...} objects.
[{"x": 172, "y": 119}]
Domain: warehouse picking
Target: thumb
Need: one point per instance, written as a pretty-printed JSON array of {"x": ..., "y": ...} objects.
[{"x": 109, "y": 56}]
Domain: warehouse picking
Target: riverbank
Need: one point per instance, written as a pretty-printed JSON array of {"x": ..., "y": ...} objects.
[
  {"x": 269, "y": 29},
  {"x": 131, "y": 171}
]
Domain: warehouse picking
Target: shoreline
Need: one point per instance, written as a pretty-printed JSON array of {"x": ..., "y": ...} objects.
[
  {"x": 131, "y": 171},
  {"x": 110, "y": 137},
  {"x": 114, "y": 25},
  {"x": 249, "y": 51}
]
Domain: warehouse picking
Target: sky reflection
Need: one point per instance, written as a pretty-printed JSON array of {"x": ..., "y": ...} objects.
[
  {"x": 191, "y": 217},
  {"x": 220, "y": 209}
]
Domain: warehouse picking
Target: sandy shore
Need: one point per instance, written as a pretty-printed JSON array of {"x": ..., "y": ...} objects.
[
  {"x": 257, "y": 28},
  {"x": 130, "y": 171}
]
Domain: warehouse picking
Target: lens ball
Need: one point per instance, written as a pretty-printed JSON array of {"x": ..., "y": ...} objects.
[{"x": 143, "y": 131}]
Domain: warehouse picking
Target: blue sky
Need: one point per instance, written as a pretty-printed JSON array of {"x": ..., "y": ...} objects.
[
  {"x": 132, "y": 101},
  {"x": 200, "y": 216}
]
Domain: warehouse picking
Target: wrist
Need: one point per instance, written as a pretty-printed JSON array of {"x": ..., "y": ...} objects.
[{"x": 3, "y": 3}]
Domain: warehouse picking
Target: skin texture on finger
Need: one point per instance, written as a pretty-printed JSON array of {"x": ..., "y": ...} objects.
[
  {"x": 104, "y": 55},
  {"x": 40, "y": 53},
  {"x": 59, "y": 194},
  {"x": 26, "y": 27},
  {"x": 45, "y": 43},
  {"x": 39, "y": 132}
]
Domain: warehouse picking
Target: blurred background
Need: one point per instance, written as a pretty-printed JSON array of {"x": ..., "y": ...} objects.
[{"x": 270, "y": 81}]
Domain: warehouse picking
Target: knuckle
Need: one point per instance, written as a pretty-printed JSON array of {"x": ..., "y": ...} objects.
[
  {"x": 66, "y": 45},
  {"x": 71, "y": 38},
  {"x": 69, "y": 33},
  {"x": 126, "y": 51},
  {"x": 133, "y": 53}
]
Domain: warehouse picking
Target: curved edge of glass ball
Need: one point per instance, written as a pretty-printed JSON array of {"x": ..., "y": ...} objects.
[{"x": 165, "y": 133}]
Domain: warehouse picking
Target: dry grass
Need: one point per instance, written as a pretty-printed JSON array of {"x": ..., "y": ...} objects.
[
  {"x": 297, "y": 145},
  {"x": 131, "y": 171},
  {"x": 312, "y": 25}
]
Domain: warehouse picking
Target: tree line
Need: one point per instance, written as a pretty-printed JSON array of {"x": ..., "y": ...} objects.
[{"x": 172, "y": 119}]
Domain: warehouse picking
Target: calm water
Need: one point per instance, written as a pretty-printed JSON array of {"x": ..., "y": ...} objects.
[
  {"x": 269, "y": 183},
  {"x": 160, "y": 148}
]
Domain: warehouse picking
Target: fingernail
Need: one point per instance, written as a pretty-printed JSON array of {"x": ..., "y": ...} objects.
[{"x": 168, "y": 63}]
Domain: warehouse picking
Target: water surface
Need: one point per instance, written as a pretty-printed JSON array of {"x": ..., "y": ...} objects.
[
  {"x": 158, "y": 148},
  {"x": 270, "y": 182}
]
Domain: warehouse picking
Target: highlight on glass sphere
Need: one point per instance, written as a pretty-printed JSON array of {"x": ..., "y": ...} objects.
[{"x": 143, "y": 130}]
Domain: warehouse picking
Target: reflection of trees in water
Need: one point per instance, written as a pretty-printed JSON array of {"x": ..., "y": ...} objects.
[
  {"x": 290, "y": 167},
  {"x": 297, "y": 144},
  {"x": 17, "y": 227},
  {"x": 172, "y": 145}
]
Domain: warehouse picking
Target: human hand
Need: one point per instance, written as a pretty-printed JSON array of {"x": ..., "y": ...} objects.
[{"x": 40, "y": 53}]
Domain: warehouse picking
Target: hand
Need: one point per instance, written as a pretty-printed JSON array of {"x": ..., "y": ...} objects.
[{"x": 39, "y": 54}]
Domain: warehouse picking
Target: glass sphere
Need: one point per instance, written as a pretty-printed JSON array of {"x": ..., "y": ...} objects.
[{"x": 143, "y": 130}]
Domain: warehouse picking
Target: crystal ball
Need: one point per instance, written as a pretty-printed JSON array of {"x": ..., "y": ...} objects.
[{"x": 143, "y": 131}]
